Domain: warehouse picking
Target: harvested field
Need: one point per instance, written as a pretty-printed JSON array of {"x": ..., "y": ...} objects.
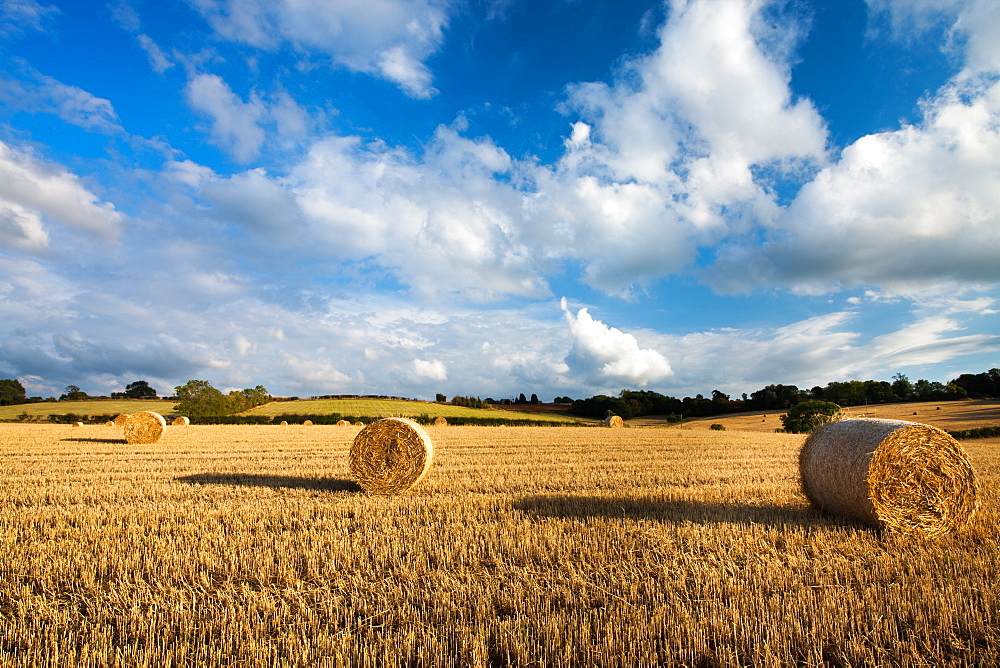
[
  {"x": 941, "y": 414},
  {"x": 544, "y": 546}
]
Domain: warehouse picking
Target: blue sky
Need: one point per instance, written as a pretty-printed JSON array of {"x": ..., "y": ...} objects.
[{"x": 496, "y": 196}]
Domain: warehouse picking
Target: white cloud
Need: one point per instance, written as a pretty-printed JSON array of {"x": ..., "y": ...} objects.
[
  {"x": 430, "y": 369},
  {"x": 158, "y": 60},
  {"x": 607, "y": 355},
  {"x": 31, "y": 190},
  {"x": 235, "y": 123},
  {"x": 665, "y": 160},
  {"x": 19, "y": 16},
  {"x": 21, "y": 228},
  {"x": 973, "y": 26},
  {"x": 241, "y": 128},
  {"x": 390, "y": 39},
  {"x": 35, "y": 92},
  {"x": 914, "y": 207}
]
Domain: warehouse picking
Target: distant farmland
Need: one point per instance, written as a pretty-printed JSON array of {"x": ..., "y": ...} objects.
[
  {"x": 398, "y": 408},
  {"x": 88, "y": 407}
]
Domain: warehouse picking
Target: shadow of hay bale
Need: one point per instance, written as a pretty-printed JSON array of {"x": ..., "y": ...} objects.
[
  {"x": 272, "y": 481},
  {"x": 118, "y": 441},
  {"x": 672, "y": 510}
]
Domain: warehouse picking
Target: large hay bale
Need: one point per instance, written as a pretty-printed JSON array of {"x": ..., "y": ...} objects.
[
  {"x": 144, "y": 427},
  {"x": 121, "y": 419},
  {"x": 182, "y": 421},
  {"x": 902, "y": 476},
  {"x": 614, "y": 421},
  {"x": 391, "y": 456},
  {"x": 440, "y": 421}
]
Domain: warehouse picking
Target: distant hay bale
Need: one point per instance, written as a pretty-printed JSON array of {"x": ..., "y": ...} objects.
[
  {"x": 343, "y": 423},
  {"x": 284, "y": 423},
  {"x": 440, "y": 421},
  {"x": 391, "y": 456},
  {"x": 120, "y": 419},
  {"x": 144, "y": 427},
  {"x": 182, "y": 421},
  {"x": 308, "y": 423},
  {"x": 77, "y": 424},
  {"x": 359, "y": 424},
  {"x": 109, "y": 423},
  {"x": 902, "y": 476},
  {"x": 614, "y": 421}
]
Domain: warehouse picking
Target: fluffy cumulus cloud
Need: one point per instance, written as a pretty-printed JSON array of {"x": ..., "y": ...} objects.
[
  {"x": 33, "y": 191},
  {"x": 914, "y": 207},
  {"x": 390, "y": 39},
  {"x": 241, "y": 128},
  {"x": 664, "y": 161},
  {"x": 607, "y": 356}
]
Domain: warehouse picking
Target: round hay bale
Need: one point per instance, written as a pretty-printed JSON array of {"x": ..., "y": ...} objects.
[
  {"x": 440, "y": 421},
  {"x": 109, "y": 423},
  {"x": 614, "y": 421},
  {"x": 284, "y": 423},
  {"x": 391, "y": 456},
  {"x": 343, "y": 423},
  {"x": 359, "y": 424},
  {"x": 121, "y": 419},
  {"x": 182, "y": 421},
  {"x": 144, "y": 427},
  {"x": 308, "y": 423},
  {"x": 77, "y": 424},
  {"x": 902, "y": 476}
]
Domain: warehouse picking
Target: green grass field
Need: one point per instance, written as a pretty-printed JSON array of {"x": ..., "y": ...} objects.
[
  {"x": 89, "y": 407},
  {"x": 395, "y": 408},
  {"x": 369, "y": 408}
]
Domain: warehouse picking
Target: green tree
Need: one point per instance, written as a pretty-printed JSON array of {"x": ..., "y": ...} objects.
[
  {"x": 139, "y": 389},
  {"x": 806, "y": 416},
  {"x": 11, "y": 392},
  {"x": 901, "y": 386},
  {"x": 197, "y": 398},
  {"x": 244, "y": 400},
  {"x": 73, "y": 393}
]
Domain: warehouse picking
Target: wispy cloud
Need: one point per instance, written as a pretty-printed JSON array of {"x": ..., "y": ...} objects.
[{"x": 390, "y": 39}]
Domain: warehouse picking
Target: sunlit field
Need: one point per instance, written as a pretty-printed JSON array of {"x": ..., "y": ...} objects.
[{"x": 547, "y": 546}]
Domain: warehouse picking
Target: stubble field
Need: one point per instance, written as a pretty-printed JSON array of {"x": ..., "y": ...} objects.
[{"x": 525, "y": 546}]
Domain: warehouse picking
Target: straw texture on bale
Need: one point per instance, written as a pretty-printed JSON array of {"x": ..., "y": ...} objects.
[
  {"x": 905, "y": 477},
  {"x": 182, "y": 421},
  {"x": 144, "y": 427},
  {"x": 391, "y": 456},
  {"x": 440, "y": 422},
  {"x": 614, "y": 421},
  {"x": 121, "y": 419}
]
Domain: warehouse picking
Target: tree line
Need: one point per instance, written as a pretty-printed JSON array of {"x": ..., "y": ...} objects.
[{"x": 630, "y": 403}]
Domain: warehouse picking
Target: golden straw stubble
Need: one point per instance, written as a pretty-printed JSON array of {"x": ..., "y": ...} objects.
[
  {"x": 391, "y": 455},
  {"x": 144, "y": 427},
  {"x": 905, "y": 477}
]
